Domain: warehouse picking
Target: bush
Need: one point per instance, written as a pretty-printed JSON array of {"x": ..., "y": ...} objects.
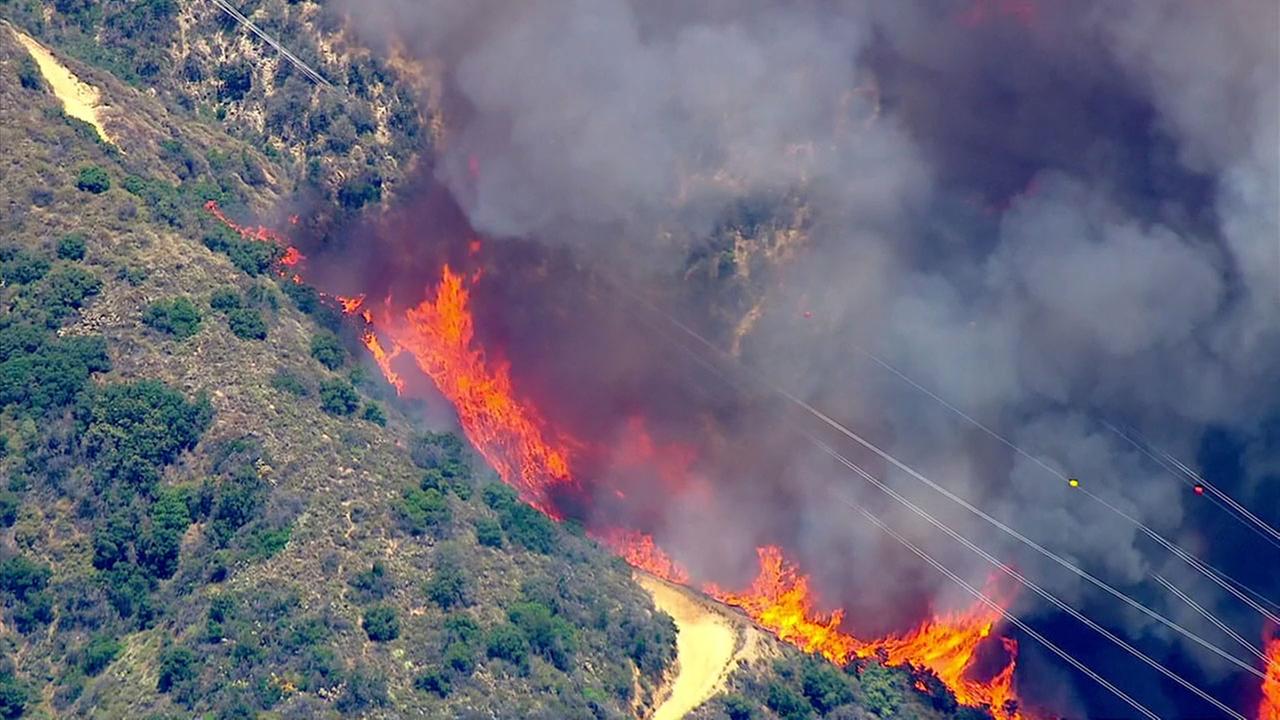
[
  {"x": 134, "y": 428},
  {"x": 225, "y": 298},
  {"x": 447, "y": 586},
  {"x": 8, "y": 505},
  {"x": 507, "y": 642},
  {"x": 434, "y": 680},
  {"x": 15, "y": 695},
  {"x": 93, "y": 179},
  {"x": 488, "y": 532},
  {"x": 178, "y": 317},
  {"x": 423, "y": 510},
  {"x": 29, "y": 74},
  {"x": 288, "y": 382},
  {"x": 825, "y": 686},
  {"x": 371, "y": 584},
  {"x": 177, "y": 666},
  {"x": 71, "y": 247},
  {"x": 787, "y": 703},
  {"x": 548, "y": 634},
  {"x": 98, "y": 654},
  {"x": 373, "y": 413},
  {"x": 247, "y": 324},
  {"x": 530, "y": 528},
  {"x": 327, "y": 349},
  {"x": 381, "y": 624},
  {"x": 738, "y": 707},
  {"x": 338, "y": 397},
  {"x": 236, "y": 79}
]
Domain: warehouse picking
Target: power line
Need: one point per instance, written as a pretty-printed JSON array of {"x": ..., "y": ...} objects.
[{"x": 306, "y": 69}]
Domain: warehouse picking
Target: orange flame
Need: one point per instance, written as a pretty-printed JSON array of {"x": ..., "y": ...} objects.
[
  {"x": 781, "y": 601},
  {"x": 383, "y": 358},
  {"x": 350, "y": 304},
  {"x": 438, "y": 334},
  {"x": 1269, "y": 709},
  {"x": 640, "y": 552},
  {"x": 292, "y": 256},
  {"x": 513, "y": 438}
]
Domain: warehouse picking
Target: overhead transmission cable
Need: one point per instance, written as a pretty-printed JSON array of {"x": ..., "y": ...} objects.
[
  {"x": 239, "y": 17},
  {"x": 989, "y": 519},
  {"x": 983, "y": 598},
  {"x": 1196, "y": 563}
]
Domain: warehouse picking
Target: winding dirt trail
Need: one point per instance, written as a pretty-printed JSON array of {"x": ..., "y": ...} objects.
[
  {"x": 79, "y": 99},
  {"x": 710, "y": 643}
]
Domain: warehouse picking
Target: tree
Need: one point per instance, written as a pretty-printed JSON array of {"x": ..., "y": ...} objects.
[
  {"x": 29, "y": 74},
  {"x": 381, "y": 624},
  {"x": 371, "y": 584},
  {"x": 247, "y": 324},
  {"x": 225, "y": 298},
  {"x": 879, "y": 690},
  {"x": 548, "y": 634},
  {"x": 530, "y": 528},
  {"x": 738, "y": 707},
  {"x": 93, "y": 179},
  {"x": 327, "y": 349},
  {"x": 338, "y": 397}
]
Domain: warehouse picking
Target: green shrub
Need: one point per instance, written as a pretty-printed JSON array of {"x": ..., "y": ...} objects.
[
  {"x": 177, "y": 316},
  {"x": 247, "y": 324},
  {"x": 93, "y": 179},
  {"x": 381, "y": 623},
  {"x": 738, "y": 707},
  {"x": 327, "y": 349},
  {"x": 66, "y": 289},
  {"x": 177, "y": 666},
  {"x": 548, "y": 634},
  {"x": 507, "y": 642},
  {"x": 286, "y": 381},
  {"x": 29, "y": 74},
  {"x": 15, "y": 696},
  {"x": 880, "y": 693},
  {"x": 8, "y": 507},
  {"x": 786, "y": 703},
  {"x": 529, "y": 528},
  {"x": 447, "y": 586},
  {"x": 98, "y": 654},
  {"x": 225, "y": 298},
  {"x": 371, "y": 584},
  {"x": 20, "y": 267},
  {"x": 338, "y": 397},
  {"x": 825, "y": 686},
  {"x": 71, "y": 247},
  {"x": 373, "y": 413},
  {"x": 423, "y": 510},
  {"x": 434, "y": 680},
  {"x": 460, "y": 657},
  {"x": 488, "y": 532}
]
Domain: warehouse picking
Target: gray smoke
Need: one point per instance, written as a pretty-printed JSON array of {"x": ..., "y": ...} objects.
[{"x": 1048, "y": 213}]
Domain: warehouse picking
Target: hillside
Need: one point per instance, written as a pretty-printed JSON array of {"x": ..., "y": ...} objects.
[{"x": 212, "y": 503}]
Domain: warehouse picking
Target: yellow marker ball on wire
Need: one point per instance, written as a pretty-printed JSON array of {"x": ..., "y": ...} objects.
[{"x": 1073, "y": 482}]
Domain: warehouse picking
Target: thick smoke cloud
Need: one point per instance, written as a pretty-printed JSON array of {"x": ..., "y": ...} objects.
[{"x": 1050, "y": 214}]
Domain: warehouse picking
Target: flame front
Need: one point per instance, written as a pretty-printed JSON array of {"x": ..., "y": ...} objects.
[
  {"x": 1269, "y": 709},
  {"x": 781, "y": 601},
  {"x": 439, "y": 335}
]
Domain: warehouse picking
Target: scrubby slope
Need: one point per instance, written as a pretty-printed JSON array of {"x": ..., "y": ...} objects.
[{"x": 218, "y": 521}]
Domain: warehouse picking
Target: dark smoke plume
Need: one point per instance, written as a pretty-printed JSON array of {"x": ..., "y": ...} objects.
[{"x": 1051, "y": 214}]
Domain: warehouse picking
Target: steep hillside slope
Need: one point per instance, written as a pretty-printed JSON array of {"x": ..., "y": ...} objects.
[{"x": 210, "y": 505}]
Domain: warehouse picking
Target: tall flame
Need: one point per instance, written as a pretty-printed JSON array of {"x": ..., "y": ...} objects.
[
  {"x": 510, "y": 434},
  {"x": 1269, "y": 709},
  {"x": 781, "y": 600},
  {"x": 439, "y": 335}
]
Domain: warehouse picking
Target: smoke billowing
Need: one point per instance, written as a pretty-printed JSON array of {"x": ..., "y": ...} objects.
[{"x": 1051, "y": 214}]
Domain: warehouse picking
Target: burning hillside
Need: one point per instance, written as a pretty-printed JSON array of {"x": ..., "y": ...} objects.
[{"x": 436, "y": 336}]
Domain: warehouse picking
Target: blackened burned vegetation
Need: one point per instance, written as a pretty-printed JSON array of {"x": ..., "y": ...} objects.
[{"x": 208, "y": 505}]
